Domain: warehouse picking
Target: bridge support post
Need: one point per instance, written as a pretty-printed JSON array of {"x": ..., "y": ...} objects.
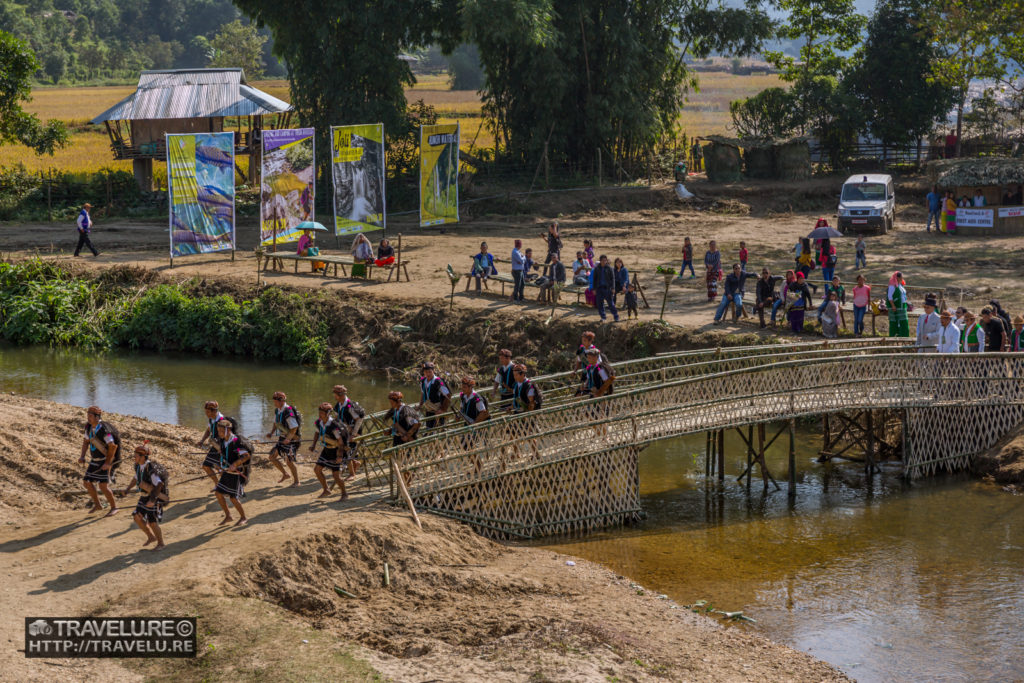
[
  {"x": 792, "y": 458},
  {"x": 869, "y": 453},
  {"x": 750, "y": 454},
  {"x": 721, "y": 456}
]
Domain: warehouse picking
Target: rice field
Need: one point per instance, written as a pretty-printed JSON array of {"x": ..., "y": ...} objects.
[{"x": 706, "y": 112}]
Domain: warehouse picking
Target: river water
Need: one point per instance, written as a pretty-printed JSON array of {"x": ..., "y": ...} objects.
[{"x": 887, "y": 581}]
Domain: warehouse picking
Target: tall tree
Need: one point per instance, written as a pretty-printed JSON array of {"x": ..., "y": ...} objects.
[
  {"x": 579, "y": 76},
  {"x": 17, "y": 65},
  {"x": 827, "y": 31},
  {"x": 239, "y": 45},
  {"x": 890, "y": 76},
  {"x": 345, "y": 56},
  {"x": 966, "y": 35},
  {"x": 768, "y": 114}
]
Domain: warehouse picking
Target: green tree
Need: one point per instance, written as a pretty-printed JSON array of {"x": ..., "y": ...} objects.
[
  {"x": 827, "y": 31},
  {"x": 966, "y": 35},
  {"x": 17, "y": 65},
  {"x": 464, "y": 66},
  {"x": 890, "y": 78},
  {"x": 345, "y": 57},
  {"x": 56, "y": 65},
  {"x": 239, "y": 45},
  {"x": 578, "y": 76},
  {"x": 768, "y": 114}
]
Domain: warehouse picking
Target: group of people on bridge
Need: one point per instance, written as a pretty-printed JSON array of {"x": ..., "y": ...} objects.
[{"x": 228, "y": 460}]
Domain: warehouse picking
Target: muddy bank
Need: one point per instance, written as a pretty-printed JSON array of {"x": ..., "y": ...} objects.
[
  {"x": 369, "y": 331},
  {"x": 1003, "y": 464},
  {"x": 458, "y": 607}
]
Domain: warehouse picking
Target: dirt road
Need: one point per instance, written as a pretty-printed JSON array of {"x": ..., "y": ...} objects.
[
  {"x": 643, "y": 226},
  {"x": 459, "y": 607}
]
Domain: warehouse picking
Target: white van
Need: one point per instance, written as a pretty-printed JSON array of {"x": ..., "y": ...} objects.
[{"x": 867, "y": 202}]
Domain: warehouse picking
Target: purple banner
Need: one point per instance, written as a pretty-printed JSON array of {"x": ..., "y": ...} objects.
[{"x": 272, "y": 139}]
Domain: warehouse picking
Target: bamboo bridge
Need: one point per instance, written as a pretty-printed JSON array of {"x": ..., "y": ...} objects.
[{"x": 574, "y": 464}]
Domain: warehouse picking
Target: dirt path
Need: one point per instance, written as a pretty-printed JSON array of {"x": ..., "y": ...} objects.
[
  {"x": 459, "y": 607},
  {"x": 643, "y": 226}
]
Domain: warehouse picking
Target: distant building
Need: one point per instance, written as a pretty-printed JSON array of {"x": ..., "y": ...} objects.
[{"x": 188, "y": 101}]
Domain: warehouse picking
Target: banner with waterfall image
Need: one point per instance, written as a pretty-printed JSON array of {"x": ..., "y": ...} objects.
[
  {"x": 201, "y": 185},
  {"x": 357, "y": 168},
  {"x": 289, "y": 183},
  {"x": 439, "y": 174}
]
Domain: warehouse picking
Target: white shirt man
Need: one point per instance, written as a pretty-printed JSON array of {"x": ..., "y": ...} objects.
[
  {"x": 979, "y": 199},
  {"x": 949, "y": 334},
  {"x": 928, "y": 328}
]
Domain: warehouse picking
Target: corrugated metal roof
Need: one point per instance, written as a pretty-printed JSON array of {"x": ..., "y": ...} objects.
[{"x": 193, "y": 93}]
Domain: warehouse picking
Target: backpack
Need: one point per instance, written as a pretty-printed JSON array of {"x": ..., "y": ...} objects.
[
  {"x": 113, "y": 431},
  {"x": 538, "y": 397},
  {"x": 298, "y": 415},
  {"x": 358, "y": 409},
  {"x": 234, "y": 425},
  {"x": 603, "y": 362},
  {"x": 250, "y": 448},
  {"x": 161, "y": 471}
]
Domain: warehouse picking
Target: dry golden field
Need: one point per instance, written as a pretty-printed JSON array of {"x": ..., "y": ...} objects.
[{"x": 706, "y": 112}]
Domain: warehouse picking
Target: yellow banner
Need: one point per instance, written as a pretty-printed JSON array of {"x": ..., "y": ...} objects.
[
  {"x": 439, "y": 174},
  {"x": 357, "y": 169},
  {"x": 181, "y": 157}
]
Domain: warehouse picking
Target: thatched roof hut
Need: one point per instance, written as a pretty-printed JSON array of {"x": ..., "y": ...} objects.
[
  {"x": 767, "y": 158},
  {"x": 792, "y": 159},
  {"x": 983, "y": 172}
]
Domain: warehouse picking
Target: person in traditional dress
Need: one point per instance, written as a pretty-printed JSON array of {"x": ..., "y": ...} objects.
[
  {"x": 212, "y": 460},
  {"x": 896, "y": 298},
  {"x": 928, "y": 326},
  {"x": 234, "y": 460},
  {"x": 830, "y": 317},
  {"x": 435, "y": 397},
  {"x": 101, "y": 443},
  {"x": 286, "y": 427},
  {"x": 331, "y": 441},
  {"x": 948, "y": 214},
  {"x": 973, "y": 334},
  {"x": 151, "y": 478},
  {"x": 712, "y": 269},
  {"x": 1017, "y": 334},
  {"x": 352, "y": 415}
]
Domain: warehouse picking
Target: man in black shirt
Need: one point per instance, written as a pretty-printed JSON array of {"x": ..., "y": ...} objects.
[
  {"x": 556, "y": 275},
  {"x": 995, "y": 334},
  {"x": 765, "y": 293},
  {"x": 604, "y": 287}
]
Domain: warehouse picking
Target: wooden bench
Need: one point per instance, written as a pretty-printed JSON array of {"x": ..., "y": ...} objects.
[{"x": 277, "y": 261}]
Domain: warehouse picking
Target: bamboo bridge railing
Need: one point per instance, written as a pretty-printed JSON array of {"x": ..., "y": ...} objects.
[{"x": 507, "y": 475}]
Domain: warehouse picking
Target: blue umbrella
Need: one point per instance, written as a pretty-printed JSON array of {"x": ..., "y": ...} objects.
[
  {"x": 824, "y": 232},
  {"x": 311, "y": 225}
]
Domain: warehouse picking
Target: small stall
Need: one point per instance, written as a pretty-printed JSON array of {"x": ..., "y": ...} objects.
[{"x": 999, "y": 181}]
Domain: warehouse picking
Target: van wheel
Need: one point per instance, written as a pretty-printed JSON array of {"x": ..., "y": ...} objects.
[{"x": 886, "y": 225}]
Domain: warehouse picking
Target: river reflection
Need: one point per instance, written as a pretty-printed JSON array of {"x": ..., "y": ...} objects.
[
  {"x": 173, "y": 388},
  {"x": 887, "y": 581}
]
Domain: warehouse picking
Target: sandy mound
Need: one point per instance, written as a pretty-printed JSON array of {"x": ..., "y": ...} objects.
[
  {"x": 41, "y": 441},
  {"x": 1004, "y": 462}
]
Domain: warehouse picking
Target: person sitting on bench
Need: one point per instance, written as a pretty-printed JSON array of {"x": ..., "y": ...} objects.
[
  {"x": 483, "y": 265},
  {"x": 362, "y": 250},
  {"x": 385, "y": 254}
]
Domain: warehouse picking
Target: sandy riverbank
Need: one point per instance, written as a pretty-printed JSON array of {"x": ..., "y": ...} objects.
[{"x": 459, "y": 607}]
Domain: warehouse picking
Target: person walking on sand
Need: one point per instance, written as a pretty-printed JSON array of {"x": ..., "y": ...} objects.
[
  {"x": 286, "y": 427},
  {"x": 152, "y": 480},
  {"x": 896, "y": 297},
  {"x": 687, "y": 259},
  {"x": 234, "y": 459},
  {"x": 973, "y": 334},
  {"x": 84, "y": 223},
  {"x": 102, "y": 443},
  {"x": 351, "y": 414},
  {"x": 935, "y": 201},
  {"x": 331, "y": 440},
  {"x": 861, "y": 261},
  {"x": 712, "y": 269},
  {"x": 861, "y": 300},
  {"x": 212, "y": 460}
]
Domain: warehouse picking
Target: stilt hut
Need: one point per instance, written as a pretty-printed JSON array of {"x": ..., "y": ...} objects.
[{"x": 189, "y": 101}]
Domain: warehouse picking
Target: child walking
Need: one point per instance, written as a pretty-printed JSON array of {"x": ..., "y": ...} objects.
[
  {"x": 687, "y": 258},
  {"x": 743, "y": 256},
  {"x": 860, "y": 261}
]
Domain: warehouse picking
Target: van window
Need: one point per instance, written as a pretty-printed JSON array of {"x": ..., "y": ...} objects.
[{"x": 860, "y": 192}]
